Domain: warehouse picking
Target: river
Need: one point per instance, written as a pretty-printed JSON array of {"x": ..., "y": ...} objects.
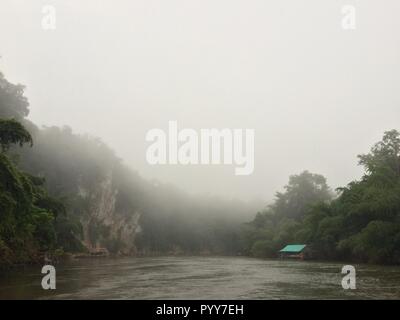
[{"x": 200, "y": 278}]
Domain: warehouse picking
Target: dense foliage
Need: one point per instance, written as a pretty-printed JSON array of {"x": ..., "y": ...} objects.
[
  {"x": 12, "y": 100},
  {"x": 13, "y": 132},
  {"x": 31, "y": 222},
  {"x": 280, "y": 222},
  {"x": 362, "y": 223}
]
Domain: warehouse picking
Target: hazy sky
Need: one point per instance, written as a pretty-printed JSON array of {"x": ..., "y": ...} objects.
[{"x": 317, "y": 95}]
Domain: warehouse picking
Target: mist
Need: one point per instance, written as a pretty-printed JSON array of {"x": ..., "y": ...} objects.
[
  {"x": 315, "y": 94},
  {"x": 199, "y": 149}
]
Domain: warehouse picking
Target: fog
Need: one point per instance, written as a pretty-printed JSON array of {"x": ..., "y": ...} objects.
[{"x": 315, "y": 94}]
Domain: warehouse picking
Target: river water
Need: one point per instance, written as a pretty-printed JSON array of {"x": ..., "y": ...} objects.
[{"x": 201, "y": 278}]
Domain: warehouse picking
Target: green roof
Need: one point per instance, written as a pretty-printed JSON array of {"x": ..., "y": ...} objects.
[{"x": 293, "y": 248}]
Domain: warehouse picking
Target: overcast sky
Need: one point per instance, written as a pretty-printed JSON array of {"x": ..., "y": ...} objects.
[{"x": 317, "y": 95}]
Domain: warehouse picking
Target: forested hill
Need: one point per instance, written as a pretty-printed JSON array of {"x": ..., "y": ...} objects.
[
  {"x": 361, "y": 224},
  {"x": 63, "y": 192}
]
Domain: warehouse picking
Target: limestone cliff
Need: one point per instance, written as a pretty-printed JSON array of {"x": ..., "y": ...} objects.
[{"x": 105, "y": 226}]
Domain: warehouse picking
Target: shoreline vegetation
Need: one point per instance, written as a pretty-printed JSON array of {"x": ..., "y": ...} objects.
[{"x": 68, "y": 195}]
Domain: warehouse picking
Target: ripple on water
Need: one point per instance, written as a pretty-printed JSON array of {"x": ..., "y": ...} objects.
[{"x": 202, "y": 278}]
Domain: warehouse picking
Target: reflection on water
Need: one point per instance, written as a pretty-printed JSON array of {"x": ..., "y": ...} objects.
[{"x": 201, "y": 278}]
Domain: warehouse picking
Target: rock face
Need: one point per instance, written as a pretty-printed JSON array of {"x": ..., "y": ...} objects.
[{"x": 105, "y": 226}]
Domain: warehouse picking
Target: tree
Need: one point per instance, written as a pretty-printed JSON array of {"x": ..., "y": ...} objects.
[
  {"x": 282, "y": 222},
  {"x": 302, "y": 191},
  {"x": 12, "y": 132},
  {"x": 384, "y": 157},
  {"x": 29, "y": 217},
  {"x": 13, "y": 103}
]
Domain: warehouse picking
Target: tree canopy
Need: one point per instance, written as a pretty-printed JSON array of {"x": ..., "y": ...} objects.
[
  {"x": 29, "y": 217},
  {"x": 13, "y": 132},
  {"x": 361, "y": 224},
  {"x": 13, "y": 102}
]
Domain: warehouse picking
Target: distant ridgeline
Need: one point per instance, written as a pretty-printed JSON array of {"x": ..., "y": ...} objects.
[{"x": 70, "y": 193}]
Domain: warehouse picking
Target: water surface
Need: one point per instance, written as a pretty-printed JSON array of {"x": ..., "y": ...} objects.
[{"x": 201, "y": 278}]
